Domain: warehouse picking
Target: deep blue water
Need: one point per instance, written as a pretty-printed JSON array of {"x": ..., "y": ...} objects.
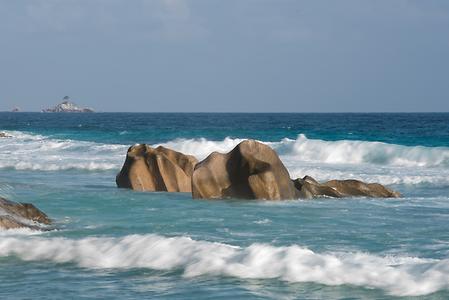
[
  {"x": 427, "y": 129},
  {"x": 114, "y": 244}
]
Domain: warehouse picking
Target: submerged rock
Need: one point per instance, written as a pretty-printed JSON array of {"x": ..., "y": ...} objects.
[
  {"x": 4, "y": 135},
  {"x": 252, "y": 170},
  {"x": 9, "y": 222},
  {"x": 310, "y": 188},
  {"x": 21, "y": 215},
  {"x": 353, "y": 187},
  {"x": 156, "y": 169}
]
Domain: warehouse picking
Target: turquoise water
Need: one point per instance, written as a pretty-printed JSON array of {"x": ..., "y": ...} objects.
[{"x": 113, "y": 244}]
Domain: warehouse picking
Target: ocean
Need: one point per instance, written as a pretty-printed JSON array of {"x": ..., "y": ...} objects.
[{"x": 112, "y": 243}]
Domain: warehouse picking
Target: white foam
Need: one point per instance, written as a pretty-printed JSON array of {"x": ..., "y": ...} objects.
[
  {"x": 201, "y": 148},
  {"x": 264, "y": 221},
  {"x": 19, "y": 232},
  {"x": 36, "y": 152},
  {"x": 324, "y": 160},
  {"x": 332, "y": 152},
  {"x": 401, "y": 276},
  {"x": 369, "y": 161},
  {"x": 426, "y": 177},
  {"x": 358, "y": 152}
]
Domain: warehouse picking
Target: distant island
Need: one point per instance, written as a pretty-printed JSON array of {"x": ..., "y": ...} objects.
[{"x": 67, "y": 106}]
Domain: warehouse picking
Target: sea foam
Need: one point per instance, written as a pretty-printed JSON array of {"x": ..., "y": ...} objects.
[
  {"x": 368, "y": 161},
  {"x": 26, "y": 151},
  {"x": 401, "y": 276},
  {"x": 343, "y": 151},
  {"x": 325, "y": 160}
]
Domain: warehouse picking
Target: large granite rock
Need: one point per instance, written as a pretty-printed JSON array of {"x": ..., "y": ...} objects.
[
  {"x": 21, "y": 215},
  {"x": 252, "y": 170},
  {"x": 156, "y": 169},
  {"x": 310, "y": 188}
]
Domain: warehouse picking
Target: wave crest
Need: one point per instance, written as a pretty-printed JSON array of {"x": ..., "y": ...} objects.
[
  {"x": 358, "y": 152},
  {"x": 40, "y": 153},
  {"x": 335, "y": 152},
  {"x": 402, "y": 276},
  {"x": 369, "y": 161}
]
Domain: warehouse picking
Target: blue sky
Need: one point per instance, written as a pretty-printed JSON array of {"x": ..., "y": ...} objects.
[{"x": 226, "y": 56}]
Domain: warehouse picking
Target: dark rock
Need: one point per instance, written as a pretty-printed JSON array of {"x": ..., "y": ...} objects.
[
  {"x": 310, "y": 188},
  {"x": 353, "y": 187}
]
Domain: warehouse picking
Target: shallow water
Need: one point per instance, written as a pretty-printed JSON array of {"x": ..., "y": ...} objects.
[{"x": 114, "y": 243}]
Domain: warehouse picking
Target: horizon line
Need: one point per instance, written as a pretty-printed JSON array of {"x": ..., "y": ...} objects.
[{"x": 230, "y": 112}]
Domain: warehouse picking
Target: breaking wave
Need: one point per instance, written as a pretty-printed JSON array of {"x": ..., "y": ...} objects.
[
  {"x": 401, "y": 276},
  {"x": 335, "y": 152},
  {"x": 324, "y": 160},
  {"x": 25, "y": 151},
  {"x": 369, "y": 161}
]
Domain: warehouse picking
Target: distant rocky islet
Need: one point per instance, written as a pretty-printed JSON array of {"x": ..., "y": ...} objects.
[{"x": 68, "y": 106}]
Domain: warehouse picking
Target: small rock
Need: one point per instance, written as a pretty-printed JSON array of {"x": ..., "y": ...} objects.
[
  {"x": 310, "y": 188},
  {"x": 21, "y": 215},
  {"x": 5, "y": 135}
]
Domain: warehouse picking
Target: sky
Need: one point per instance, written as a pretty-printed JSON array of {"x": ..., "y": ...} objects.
[{"x": 226, "y": 56}]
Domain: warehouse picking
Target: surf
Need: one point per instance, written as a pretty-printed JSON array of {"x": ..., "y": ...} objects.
[
  {"x": 389, "y": 164},
  {"x": 397, "y": 275}
]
